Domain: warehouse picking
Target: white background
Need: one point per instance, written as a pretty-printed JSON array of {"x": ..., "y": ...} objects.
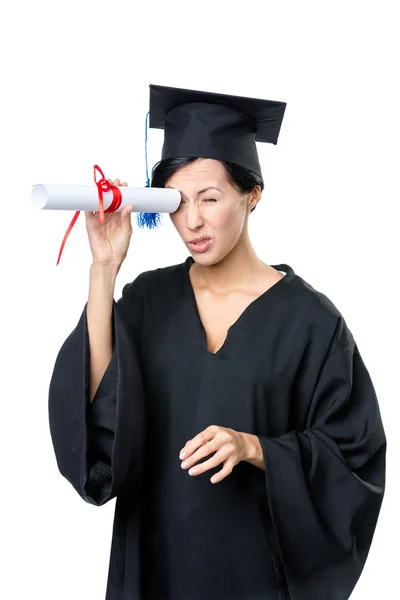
[{"x": 74, "y": 78}]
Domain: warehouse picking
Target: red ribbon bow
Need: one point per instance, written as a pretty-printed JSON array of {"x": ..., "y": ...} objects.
[{"x": 102, "y": 186}]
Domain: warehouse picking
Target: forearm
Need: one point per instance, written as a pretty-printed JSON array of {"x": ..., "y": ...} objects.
[
  {"x": 99, "y": 320},
  {"x": 252, "y": 450}
]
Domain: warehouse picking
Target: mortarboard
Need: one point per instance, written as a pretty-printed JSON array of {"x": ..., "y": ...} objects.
[{"x": 209, "y": 125}]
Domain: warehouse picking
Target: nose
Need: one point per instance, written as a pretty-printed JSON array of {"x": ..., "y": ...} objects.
[{"x": 194, "y": 218}]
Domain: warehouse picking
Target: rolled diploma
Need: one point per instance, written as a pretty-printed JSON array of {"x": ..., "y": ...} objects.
[{"x": 86, "y": 198}]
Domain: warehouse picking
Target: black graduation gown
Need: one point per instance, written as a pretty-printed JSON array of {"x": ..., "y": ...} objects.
[{"x": 289, "y": 372}]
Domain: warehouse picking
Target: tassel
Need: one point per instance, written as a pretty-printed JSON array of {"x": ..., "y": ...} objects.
[{"x": 147, "y": 220}]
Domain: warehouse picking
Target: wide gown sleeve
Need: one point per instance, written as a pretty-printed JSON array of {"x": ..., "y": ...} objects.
[
  {"x": 325, "y": 485},
  {"x": 99, "y": 445}
]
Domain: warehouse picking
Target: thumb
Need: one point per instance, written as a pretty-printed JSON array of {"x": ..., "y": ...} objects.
[
  {"x": 126, "y": 211},
  {"x": 126, "y": 224}
]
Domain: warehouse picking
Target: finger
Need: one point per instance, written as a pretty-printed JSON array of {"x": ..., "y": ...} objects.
[
  {"x": 214, "y": 461},
  {"x": 125, "y": 224},
  {"x": 124, "y": 183},
  {"x": 200, "y": 439},
  {"x": 126, "y": 211},
  {"x": 204, "y": 450},
  {"x": 224, "y": 472},
  {"x": 117, "y": 182},
  {"x": 89, "y": 215}
]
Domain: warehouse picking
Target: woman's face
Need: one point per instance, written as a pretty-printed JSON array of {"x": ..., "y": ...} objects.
[{"x": 211, "y": 206}]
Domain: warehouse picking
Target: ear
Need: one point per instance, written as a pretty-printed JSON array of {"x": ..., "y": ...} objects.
[{"x": 254, "y": 197}]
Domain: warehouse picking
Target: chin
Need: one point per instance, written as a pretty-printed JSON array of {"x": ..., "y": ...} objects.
[{"x": 205, "y": 259}]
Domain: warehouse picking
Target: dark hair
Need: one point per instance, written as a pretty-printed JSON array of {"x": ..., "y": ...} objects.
[{"x": 242, "y": 178}]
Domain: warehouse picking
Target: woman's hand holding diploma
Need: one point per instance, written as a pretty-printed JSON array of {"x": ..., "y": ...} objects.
[{"x": 109, "y": 241}]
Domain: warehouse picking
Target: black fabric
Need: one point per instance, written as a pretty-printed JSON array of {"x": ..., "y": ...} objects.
[
  {"x": 289, "y": 372},
  {"x": 208, "y": 125}
]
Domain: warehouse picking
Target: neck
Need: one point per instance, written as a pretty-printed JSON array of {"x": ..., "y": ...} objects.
[{"x": 241, "y": 267}]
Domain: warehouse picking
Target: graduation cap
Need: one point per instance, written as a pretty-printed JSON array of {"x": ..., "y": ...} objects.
[{"x": 209, "y": 125}]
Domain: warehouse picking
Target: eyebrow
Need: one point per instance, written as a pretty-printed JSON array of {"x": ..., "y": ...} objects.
[{"x": 212, "y": 187}]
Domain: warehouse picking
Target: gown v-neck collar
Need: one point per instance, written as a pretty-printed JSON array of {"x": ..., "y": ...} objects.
[{"x": 269, "y": 294}]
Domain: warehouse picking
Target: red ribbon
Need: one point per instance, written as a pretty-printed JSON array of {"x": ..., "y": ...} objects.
[{"x": 102, "y": 186}]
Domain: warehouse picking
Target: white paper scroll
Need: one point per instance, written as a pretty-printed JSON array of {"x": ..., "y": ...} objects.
[{"x": 86, "y": 198}]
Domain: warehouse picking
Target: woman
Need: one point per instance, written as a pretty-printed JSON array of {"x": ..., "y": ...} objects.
[{"x": 223, "y": 401}]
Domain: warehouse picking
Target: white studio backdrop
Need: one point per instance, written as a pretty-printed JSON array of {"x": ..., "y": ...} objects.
[{"x": 75, "y": 81}]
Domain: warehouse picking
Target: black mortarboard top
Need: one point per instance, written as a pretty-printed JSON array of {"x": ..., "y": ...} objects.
[{"x": 219, "y": 126}]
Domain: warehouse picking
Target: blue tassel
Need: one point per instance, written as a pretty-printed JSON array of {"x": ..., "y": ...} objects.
[{"x": 147, "y": 220}]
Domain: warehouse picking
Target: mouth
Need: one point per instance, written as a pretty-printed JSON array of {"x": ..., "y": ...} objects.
[{"x": 200, "y": 246}]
